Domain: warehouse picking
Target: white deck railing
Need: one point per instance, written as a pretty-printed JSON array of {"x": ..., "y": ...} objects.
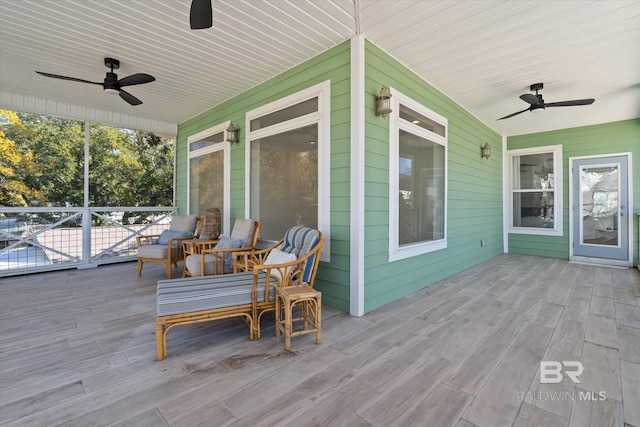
[{"x": 42, "y": 239}]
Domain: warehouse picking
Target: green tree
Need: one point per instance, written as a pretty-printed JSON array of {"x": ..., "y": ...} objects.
[
  {"x": 50, "y": 166},
  {"x": 43, "y": 163}
]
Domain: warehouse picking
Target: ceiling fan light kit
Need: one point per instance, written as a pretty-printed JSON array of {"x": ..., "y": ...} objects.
[
  {"x": 537, "y": 104},
  {"x": 111, "y": 84}
]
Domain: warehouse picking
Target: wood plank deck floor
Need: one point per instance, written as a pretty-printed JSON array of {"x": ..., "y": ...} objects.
[{"x": 77, "y": 348}]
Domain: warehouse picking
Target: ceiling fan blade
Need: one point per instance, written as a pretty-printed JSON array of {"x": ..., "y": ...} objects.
[
  {"x": 136, "y": 79},
  {"x": 129, "y": 98},
  {"x": 73, "y": 79},
  {"x": 530, "y": 98},
  {"x": 201, "y": 14},
  {"x": 514, "y": 114},
  {"x": 570, "y": 103}
]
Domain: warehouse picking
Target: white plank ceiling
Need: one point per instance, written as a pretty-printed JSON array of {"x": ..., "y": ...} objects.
[{"x": 482, "y": 54}]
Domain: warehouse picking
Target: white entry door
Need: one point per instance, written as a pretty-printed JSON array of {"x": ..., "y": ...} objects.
[{"x": 600, "y": 210}]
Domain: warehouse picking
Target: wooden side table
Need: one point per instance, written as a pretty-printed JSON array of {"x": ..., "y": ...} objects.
[
  {"x": 196, "y": 246},
  {"x": 311, "y": 317}
]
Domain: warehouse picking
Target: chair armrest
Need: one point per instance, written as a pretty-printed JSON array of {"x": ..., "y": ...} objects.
[
  {"x": 148, "y": 239},
  {"x": 285, "y": 274},
  {"x": 293, "y": 273},
  {"x": 177, "y": 241},
  {"x": 245, "y": 260},
  {"x": 224, "y": 250}
]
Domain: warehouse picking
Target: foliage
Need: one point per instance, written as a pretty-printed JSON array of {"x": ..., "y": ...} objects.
[{"x": 42, "y": 164}]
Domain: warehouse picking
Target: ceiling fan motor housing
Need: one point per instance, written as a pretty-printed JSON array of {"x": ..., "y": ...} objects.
[
  {"x": 110, "y": 81},
  {"x": 110, "y": 84}
]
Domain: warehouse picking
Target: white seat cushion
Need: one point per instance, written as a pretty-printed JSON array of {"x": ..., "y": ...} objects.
[
  {"x": 276, "y": 256},
  {"x": 193, "y": 264},
  {"x": 154, "y": 251}
]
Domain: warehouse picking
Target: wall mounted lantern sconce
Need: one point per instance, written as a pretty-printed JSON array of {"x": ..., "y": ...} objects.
[
  {"x": 233, "y": 134},
  {"x": 383, "y": 102},
  {"x": 485, "y": 151}
]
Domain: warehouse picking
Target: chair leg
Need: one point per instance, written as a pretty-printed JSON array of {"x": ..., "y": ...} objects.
[
  {"x": 288, "y": 308},
  {"x": 278, "y": 314},
  {"x": 318, "y": 319},
  {"x": 169, "y": 271},
  {"x": 185, "y": 271},
  {"x": 139, "y": 268},
  {"x": 161, "y": 341}
]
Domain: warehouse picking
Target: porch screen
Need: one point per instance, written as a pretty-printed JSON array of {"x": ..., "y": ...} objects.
[
  {"x": 284, "y": 180},
  {"x": 206, "y": 174}
]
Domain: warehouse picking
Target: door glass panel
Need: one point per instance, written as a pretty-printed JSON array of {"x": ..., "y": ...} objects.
[{"x": 599, "y": 186}]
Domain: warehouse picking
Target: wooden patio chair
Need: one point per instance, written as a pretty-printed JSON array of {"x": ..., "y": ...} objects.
[
  {"x": 166, "y": 248},
  {"x": 247, "y": 293},
  {"x": 216, "y": 256}
]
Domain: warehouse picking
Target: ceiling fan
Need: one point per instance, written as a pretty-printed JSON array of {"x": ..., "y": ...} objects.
[
  {"x": 111, "y": 83},
  {"x": 201, "y": 14},
  {"x": 537, "y": 104}
]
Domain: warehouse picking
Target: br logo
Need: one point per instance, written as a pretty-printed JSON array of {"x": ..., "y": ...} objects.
[{"x": 551, "y": 372}]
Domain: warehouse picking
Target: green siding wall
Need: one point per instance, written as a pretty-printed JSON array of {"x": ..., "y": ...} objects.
[
  {"x": 474, "y": 189},
  {"x": 333, "y": 65},
  {"x": 474, "y": 185},
  {"x": 617, "y": 137}
]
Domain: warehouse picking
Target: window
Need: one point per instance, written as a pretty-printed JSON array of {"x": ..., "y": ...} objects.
[
  {"x": 418, "y": 179},
  {"x": 209, "y": 172},
  {"x": 536, "y": 190},
  {"x": 288, "y": 164}
]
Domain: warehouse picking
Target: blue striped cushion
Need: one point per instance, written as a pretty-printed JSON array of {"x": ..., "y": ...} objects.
[
  {"x": 300, "y": 240},
  {"x": 208, "y": 292}
]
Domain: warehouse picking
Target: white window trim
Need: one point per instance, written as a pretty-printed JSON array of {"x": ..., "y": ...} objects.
[
  {"x": 397, "y": 252},
  {"x": 224, "y": 146},
  {"x": 323, "y": 118},
  {"x": 558, "y": 197}
]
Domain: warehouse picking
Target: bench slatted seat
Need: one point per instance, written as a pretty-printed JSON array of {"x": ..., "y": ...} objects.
[{"x": 198, "y": 293}]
